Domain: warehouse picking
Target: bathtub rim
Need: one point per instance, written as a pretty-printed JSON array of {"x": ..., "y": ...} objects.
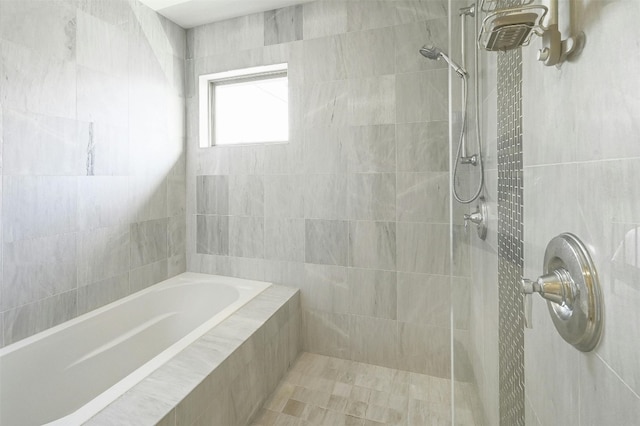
[{"x": 111, "y": 394}]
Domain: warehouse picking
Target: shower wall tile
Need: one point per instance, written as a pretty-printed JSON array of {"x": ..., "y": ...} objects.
[
  {"x": 372, "y": 149},
  {"x": 38, "y": 268},
  {"x": 36, "y": 144},
  {"x": 324, "y": 149},
  {"x": 105, "y": 149},
  {"x": 367, "y": 53},
  {"x": 425, "y": 349},
  {"x": 102, "y": 97},
  {"x": 246, "y": 195},
  {"x": 150, "y": 195},
  {"x": 27, "y": 320},
  {"x": 176, "y": 195},
  {"x": 410, "y": 37},
  {"x": 103, "y": 201},
  {"x": 420, "y": 248},
  {"x": 246, "y": 236},
  {"x": 284, "y": 239},
  {"x": 284, "y": 196},
  {"x": 370, "y": 14},
  {"x": 103, "y": 253},
  {"x": 423, "y": 147},
  {"x": 424, "y": 299},
  {"x": 324, "y": 18},
  {"x": 372, "y": 245},
  {"x": 372, "y": 196},
  {"x": 372, "y": 293},
  {"x": 212, "y": 195},
  {"x": 422, "y": 96},
  {"x": 100, "y": 293},
  {"x": 326, "y": 104},
  {"x": 101, "y": 46},
  {"x": 37, "y": 206},
  {"x": 324, "y": 59},
  {"x": 326, "y": 333},
  {"x": 423, "y": 197},
  {"x": 148, "y": 242},
  {"x": 177, "y": 236},
  {"x": 325, "y": 288},
  {"x": 372, "y": 101},
  {"x": 283, "y": 25},
  {"x": 325, "y": 196},
  {"x": 326, "y": 242},
  {"x": 33, "y": 91},
  {"x": 46, "y": 28},
  {"x": 374, "y": 340},
  {"x": 231, "y": 35},
  {"x": 212, "y": 235}
]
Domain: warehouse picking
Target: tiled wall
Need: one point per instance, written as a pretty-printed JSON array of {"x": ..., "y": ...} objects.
[
  {"x": 92, "y": 131},
  {"x": 354, "y": 209},
  {"x": 581, "y": 172}
]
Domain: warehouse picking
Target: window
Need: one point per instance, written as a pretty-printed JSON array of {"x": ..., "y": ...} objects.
[{"x": 244, "y": 106}]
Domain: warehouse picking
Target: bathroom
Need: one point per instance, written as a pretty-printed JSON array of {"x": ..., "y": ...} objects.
[{"x": 390, "y": 308}]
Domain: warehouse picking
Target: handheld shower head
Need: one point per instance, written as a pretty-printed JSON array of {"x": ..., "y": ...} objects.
[{"x": 435, "y": 53}]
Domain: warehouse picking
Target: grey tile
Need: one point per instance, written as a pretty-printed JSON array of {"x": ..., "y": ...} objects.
[
  {"x": 324, "y": 59},
  {"x": 326, "y": 104},
  {"x": 212, "y": 195},
  {"x": 371, "y": 14},
  {"x": 372, "y": 245},
  {"x": 284, "y": 239},
  {"x": 104, "y": 201},
  {"x": 375, "y": 341},
  {"x": 372, "y": 100},
  {"x": 425, "y": 349},
  {"x": 41, "y": 145},
  {"x": 38, "y": 268},
  {"x": 150, "y": 194},
  {"x": 326, "y": 242},
  {"x": 246, "y": 236},
  {"x": 327, "y": 333},
  {"x": 30, "y": 319},
  {"x": 284, "y": 196},
  {"x": 423, "y": 247},
  {"x": 325, "y": 196},
  {"x": 212, "y": 235},
  {"x": 102, "y": 97},
  {"x": 372, "y": 293},
  {"x": 420, "y": 10},
  {"x": 105, "y": 149},
  {"x": 423, "y": 197},
  {"x": 38, "y": 206},
  {"x": 246, "y": 195},
  {"x": 423, "y": 147},
  {"x": 372, "y": 196},
  {"x": 421, "y": 96},
  {"x": 148, "y": 242},
  {"x": 148, "y": 275},
  {"x": 176, "y": 236},
  {"x": 100, "y": 293},
  {"x": 325, "y": 149},
  {"x": 101, "y": 46},
  {"x": 176, "y": 195},
  {"x": 372, "y": 149},
  {"x": 283, "y": 25},
  {"x": 231, "y": 35},
  {"x": 323, "y": 18},
  {"x": 368, "y": 53},
  {"x": 410, "y": 37},
  {"x": 324, "y": 288},
  {"x": 103, "y": 253},
  {"x": 424, "y": 299}
]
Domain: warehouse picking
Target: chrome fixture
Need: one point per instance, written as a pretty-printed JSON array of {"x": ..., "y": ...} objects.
[
  {"x": 509, "y": 28},
  {"x": 571, "y": 287},
  {"x": 435, "y": 53},
  {"x": 479, "y": 218}
]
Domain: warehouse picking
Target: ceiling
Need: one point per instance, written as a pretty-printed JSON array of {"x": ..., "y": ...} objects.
[{"x": 191, "y": 13}]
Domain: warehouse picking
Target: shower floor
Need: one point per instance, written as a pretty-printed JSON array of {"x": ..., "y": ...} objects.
[{"x": 320, "y": 390}]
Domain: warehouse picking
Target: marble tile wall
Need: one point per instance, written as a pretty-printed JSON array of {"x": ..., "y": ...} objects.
[
  {"x": 354, "y": 210},
  {"x": 93, "y": 143},
  {"x": 581, "y": 133}
]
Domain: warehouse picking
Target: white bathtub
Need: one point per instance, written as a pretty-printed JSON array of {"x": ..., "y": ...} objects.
[{"x": 67, "y": 374}]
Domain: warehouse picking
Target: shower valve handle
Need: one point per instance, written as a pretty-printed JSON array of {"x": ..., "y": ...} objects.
[{"x": 557, "y": 287}]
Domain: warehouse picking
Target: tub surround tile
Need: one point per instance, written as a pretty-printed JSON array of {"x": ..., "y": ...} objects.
[
  {"x": 246, "y": 195},
  {"x": 284, "y": 196},
  {"x": 38, "y": 268},
  {"x": 212, "y": 235},
  {"x": 103, "y": 292},
  {"x": 100, "y": 202},
  {"x": 326, "y": 242},
  {"x": 30, "y": 319},
  {"x": 103, "y": 253},
  {"x": 148, "y": 242},
  {"x": 147, "y": 275},
  {"x": 246, "y": 236},
  {"x": 283, "y": 25},
  {"x": 284, "y": 239},
  {"x": 212, "y": 195}
]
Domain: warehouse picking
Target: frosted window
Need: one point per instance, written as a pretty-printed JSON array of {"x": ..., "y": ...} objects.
[{"x": 251, "y": 110}]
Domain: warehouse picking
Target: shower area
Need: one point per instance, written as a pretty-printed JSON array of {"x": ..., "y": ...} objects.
[{"x": 435, "y": 149}]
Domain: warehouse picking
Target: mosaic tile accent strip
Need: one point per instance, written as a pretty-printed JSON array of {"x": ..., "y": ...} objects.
[{"x": 510, "y": 238}]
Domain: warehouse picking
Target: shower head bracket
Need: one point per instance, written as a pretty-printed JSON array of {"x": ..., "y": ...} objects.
[{"x": 510, "y": 28}]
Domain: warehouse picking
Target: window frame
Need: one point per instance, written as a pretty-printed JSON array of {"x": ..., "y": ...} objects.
[{"x": 206, "y": 90}]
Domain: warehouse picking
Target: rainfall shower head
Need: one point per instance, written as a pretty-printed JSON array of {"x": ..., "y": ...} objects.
[
  {"x": 510, "y": 31},
  {"x": 435, "y": 53}
]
